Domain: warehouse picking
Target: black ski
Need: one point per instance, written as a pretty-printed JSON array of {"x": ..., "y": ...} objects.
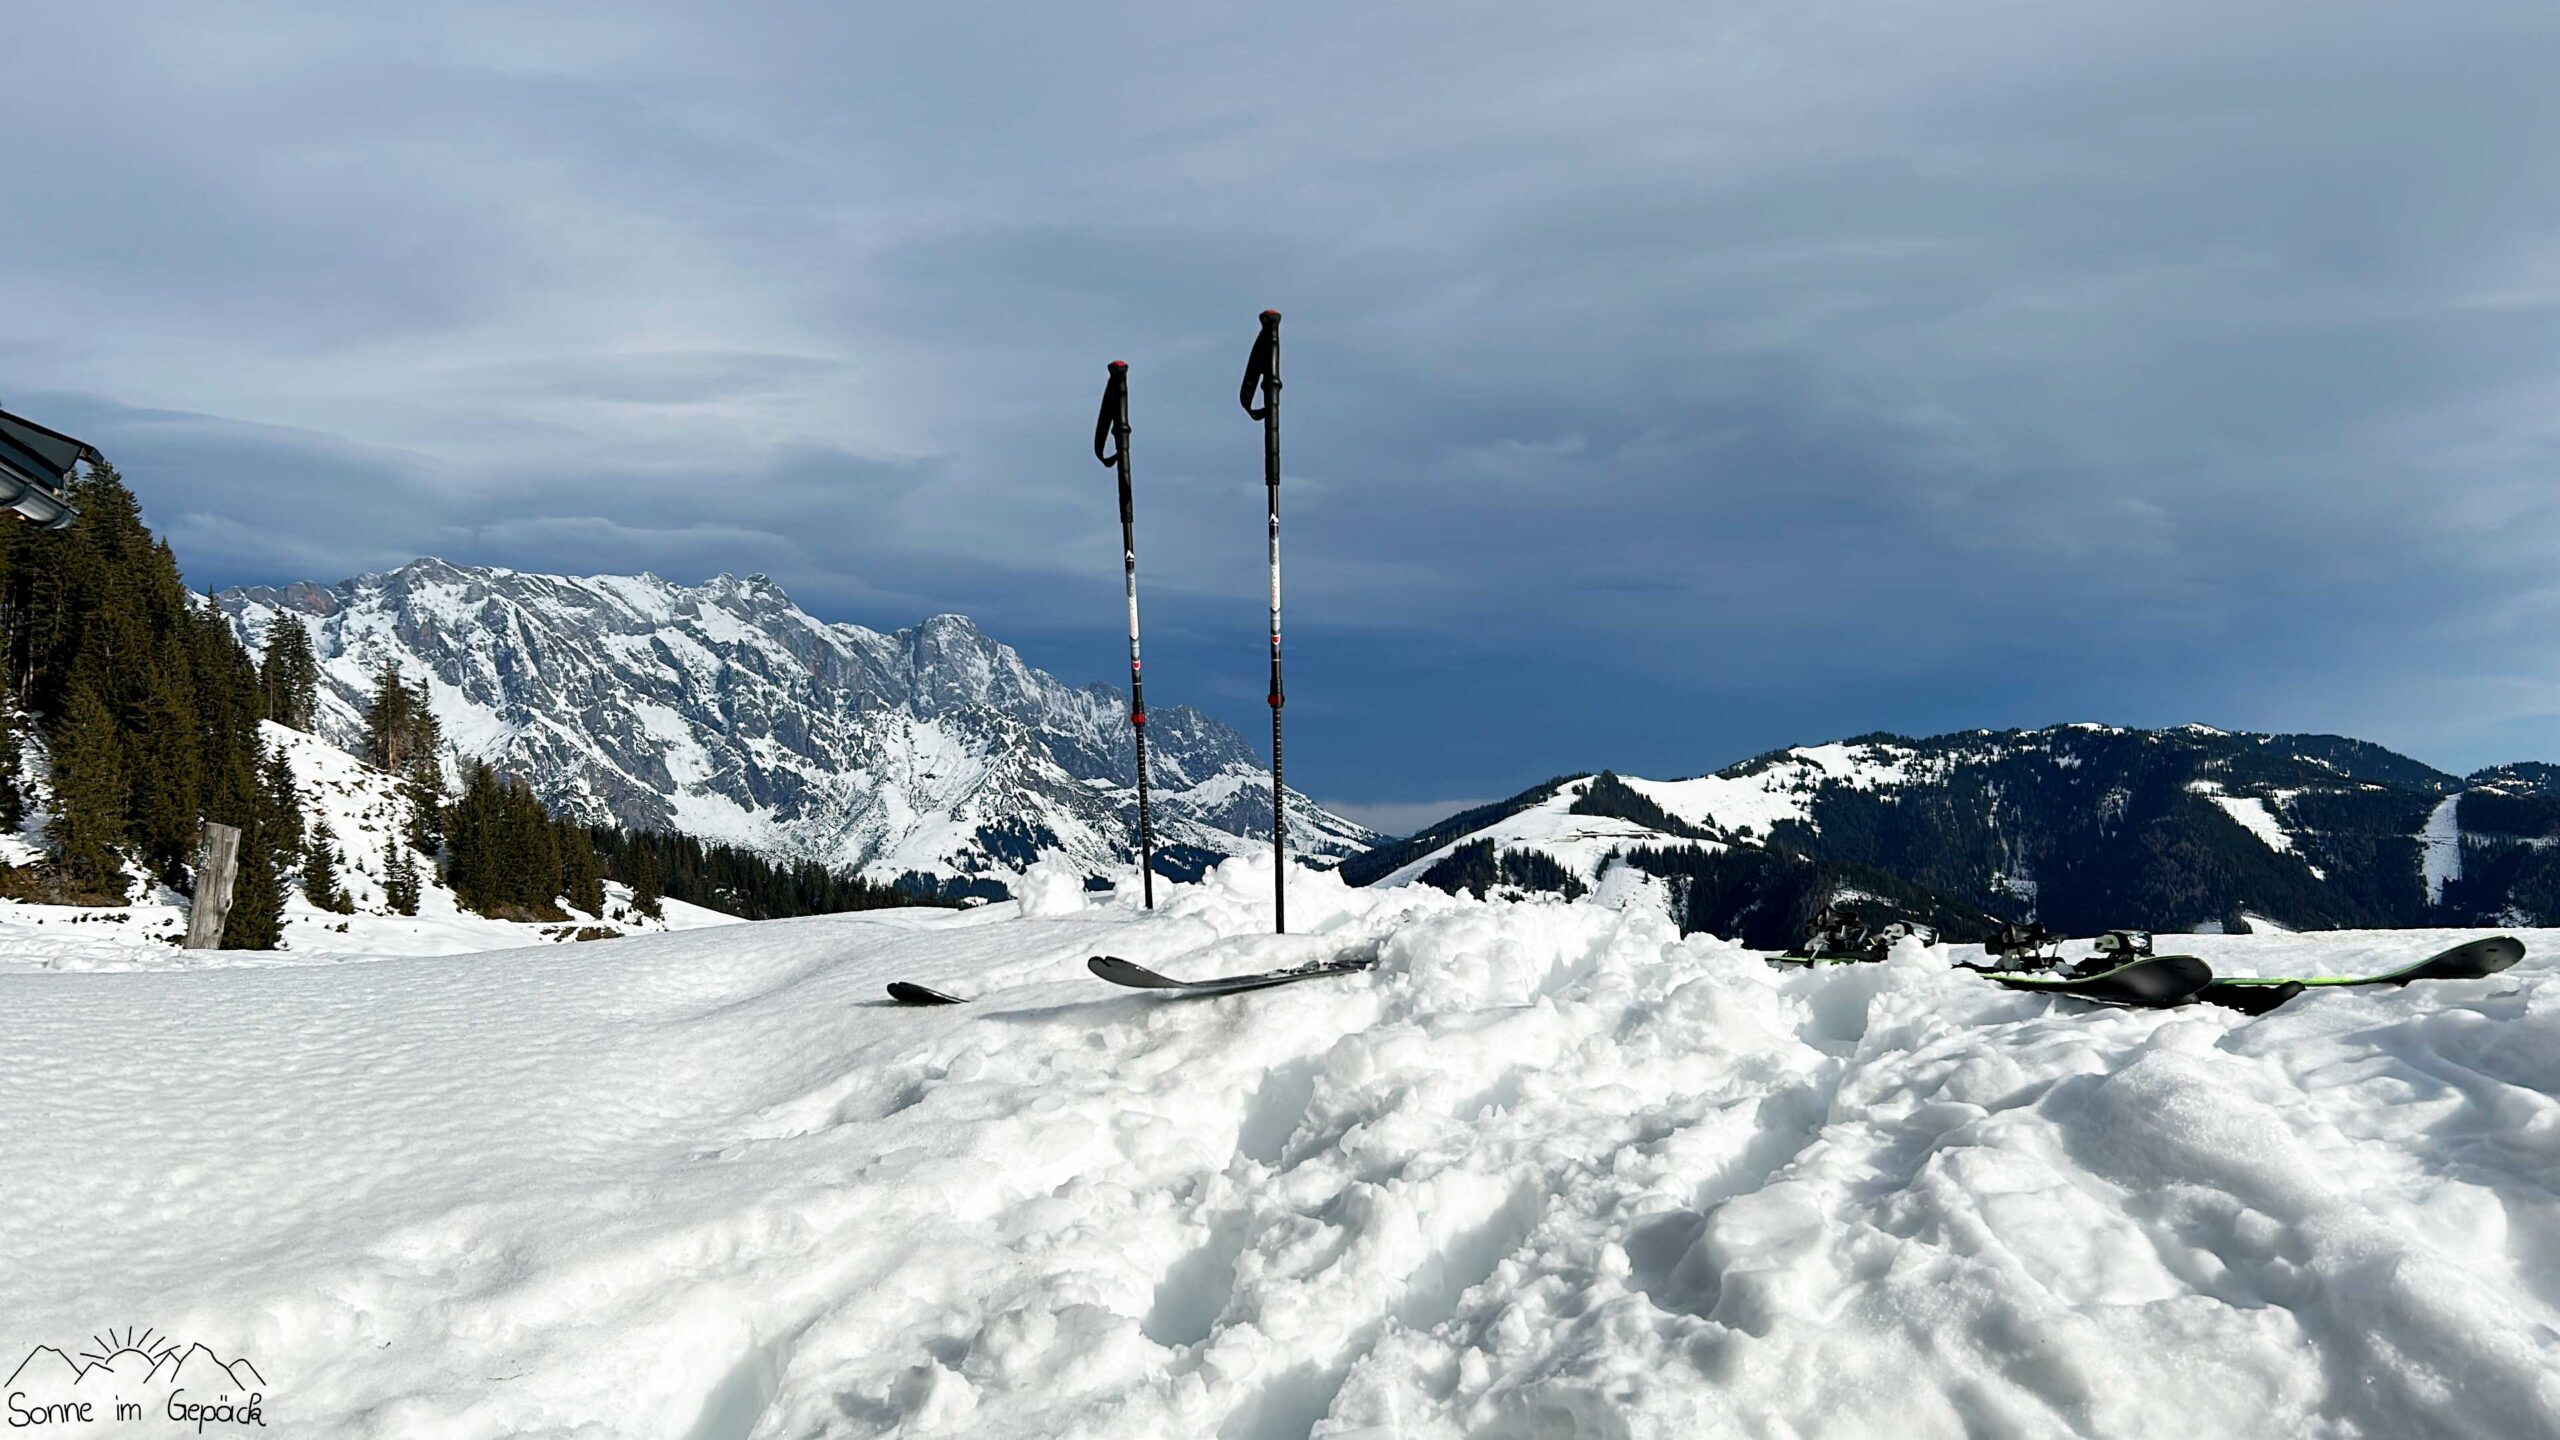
[
  {"x": 907, "y": 992},
  {"x": 2249, "y": 995},
  {"x": 1139, "y": 977},
  {"x": 2151, "y": 982},
  {"x": 2472, "y": 960}
]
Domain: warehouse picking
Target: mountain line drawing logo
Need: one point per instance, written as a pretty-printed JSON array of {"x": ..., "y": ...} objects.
[{"x": 132, "y": 1376}]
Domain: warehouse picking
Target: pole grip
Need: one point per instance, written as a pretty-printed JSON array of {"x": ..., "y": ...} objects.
[
  {"x": 1262, "y": 368},
  {"x": 1112, "y": 424}
]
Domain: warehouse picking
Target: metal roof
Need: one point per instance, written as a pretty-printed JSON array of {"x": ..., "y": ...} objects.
[{"x": 36, "y": 461}]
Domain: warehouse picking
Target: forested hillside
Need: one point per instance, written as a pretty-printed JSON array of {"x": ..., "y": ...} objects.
[{"x": 131, "y": 717}]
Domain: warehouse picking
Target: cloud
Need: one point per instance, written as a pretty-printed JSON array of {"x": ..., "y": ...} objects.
[
  {"x": 1665, "y": 380},
  {"x": 1402, "y": 817}
]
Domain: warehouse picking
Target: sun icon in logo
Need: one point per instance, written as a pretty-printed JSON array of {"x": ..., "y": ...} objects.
[{"x": 148, "y": 1343}]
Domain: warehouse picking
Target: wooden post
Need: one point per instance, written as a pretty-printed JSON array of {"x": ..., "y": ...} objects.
[{"x": 217, "y": 865}]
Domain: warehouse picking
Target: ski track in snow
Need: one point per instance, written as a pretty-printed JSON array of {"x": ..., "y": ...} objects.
[{"x": 1548, "y": 1170}]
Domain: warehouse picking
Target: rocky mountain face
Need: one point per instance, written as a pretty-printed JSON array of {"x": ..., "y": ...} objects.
[
  {"x": 2081, "y": 827},
  {"x": 932, "y": 754}
]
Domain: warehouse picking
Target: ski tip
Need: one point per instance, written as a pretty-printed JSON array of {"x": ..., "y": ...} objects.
[{"x": 906, "y": 992}]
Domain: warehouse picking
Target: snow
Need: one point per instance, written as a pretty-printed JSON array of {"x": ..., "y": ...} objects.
[
  {"x": 1784, "y": 790},
  {"x": 1551, "y": 1169},
  {"x": 2440, "y": 852}
]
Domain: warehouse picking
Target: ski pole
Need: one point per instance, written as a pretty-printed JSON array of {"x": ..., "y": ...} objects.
[
  {"x": 1262, "y": 373},
  {"x": 1112, "y": 425}
]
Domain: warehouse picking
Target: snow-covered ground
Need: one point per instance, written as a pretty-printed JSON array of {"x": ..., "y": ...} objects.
[{"x": 1549, "y": 1170}]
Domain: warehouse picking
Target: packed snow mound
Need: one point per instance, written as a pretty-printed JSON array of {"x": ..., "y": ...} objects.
[{"x": 1549, "y": 1169}]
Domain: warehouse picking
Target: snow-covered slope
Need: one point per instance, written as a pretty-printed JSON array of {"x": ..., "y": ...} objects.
[
  {"x": 1550, "y": 1170},
  {"x": 1582, "y": 844},
  {"x": 726, "y": 712},
  {"x": 362, "y": 807}
]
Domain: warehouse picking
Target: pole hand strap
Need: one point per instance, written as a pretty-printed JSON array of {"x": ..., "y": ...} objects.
[
  {"x": 1115, "y": 412},
  {"x": 1258, "y": 374}
]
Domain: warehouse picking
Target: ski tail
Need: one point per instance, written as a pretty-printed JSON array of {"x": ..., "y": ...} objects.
[
  {"x": 2249, "y": 999},
  {"x": 2152, "y": 982},
  {"x": 907, "y": 992}
]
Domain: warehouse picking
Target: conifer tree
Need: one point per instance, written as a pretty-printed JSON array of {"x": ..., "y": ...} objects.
[
  {"x": 256, "y": 921},
  {"x": 320, "y": 871},
  {"x": 581, "y": 872},
  {"x": 13, "y": 800},
  {"x": 228, "y": 709},
  {"x": 89, "y": 794},
  {"x": 289, "y": 674},
  {"x": 279, "y": 806},
  {"x": 640, "y": 865},
  {"x": 400, "y": 883},
  {"x": 163, "y": 763},
  {"x": 270, "y": 850}
]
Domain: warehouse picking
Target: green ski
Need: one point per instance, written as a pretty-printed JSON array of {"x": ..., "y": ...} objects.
[{"x": 2472, "y": 960}]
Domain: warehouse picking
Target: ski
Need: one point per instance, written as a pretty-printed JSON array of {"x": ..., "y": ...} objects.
[
  {"x": 2249, "y": 995},
  {"x": 907, "y": 992},
  {"x": 2150, "y": 982},
  {"x": 2472, "y": 960},
  {"x": 1139, "y": 977}
]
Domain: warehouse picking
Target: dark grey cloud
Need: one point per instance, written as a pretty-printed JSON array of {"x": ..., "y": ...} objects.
[{"x": 1667, "y": 381}]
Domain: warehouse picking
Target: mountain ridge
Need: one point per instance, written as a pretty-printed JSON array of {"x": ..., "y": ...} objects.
[
  {"x": 933, "y": 754},
  {"x": 2082, "y": 826}
]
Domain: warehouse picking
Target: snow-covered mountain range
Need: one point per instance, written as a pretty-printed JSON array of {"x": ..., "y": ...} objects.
[
  {"x": 2082, "y": 827},
  {"x": 726, "y": 712}
]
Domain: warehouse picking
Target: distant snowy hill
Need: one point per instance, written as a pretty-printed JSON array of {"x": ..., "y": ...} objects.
[
  {"x": 2082, "y": 827},
  {"x": 726, "y": 712},
  {"x": 1549, "y": 1170}
]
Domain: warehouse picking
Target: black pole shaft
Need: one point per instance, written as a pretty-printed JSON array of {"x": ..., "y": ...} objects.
[
  {"x": 1269, "y": 349},
  {"x": 1115, "y": 415}
]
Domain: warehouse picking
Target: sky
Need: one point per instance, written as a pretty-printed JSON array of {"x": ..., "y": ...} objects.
[{"x": 1666, "y": 383}]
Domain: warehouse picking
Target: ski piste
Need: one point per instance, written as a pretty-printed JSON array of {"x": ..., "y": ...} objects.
[
  {"x": 2151, "y": 982},
  {"x": 2472, "y": 960},
  {"x": 907, "y": 992},
  {"x": 1139, "y": 977}
]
